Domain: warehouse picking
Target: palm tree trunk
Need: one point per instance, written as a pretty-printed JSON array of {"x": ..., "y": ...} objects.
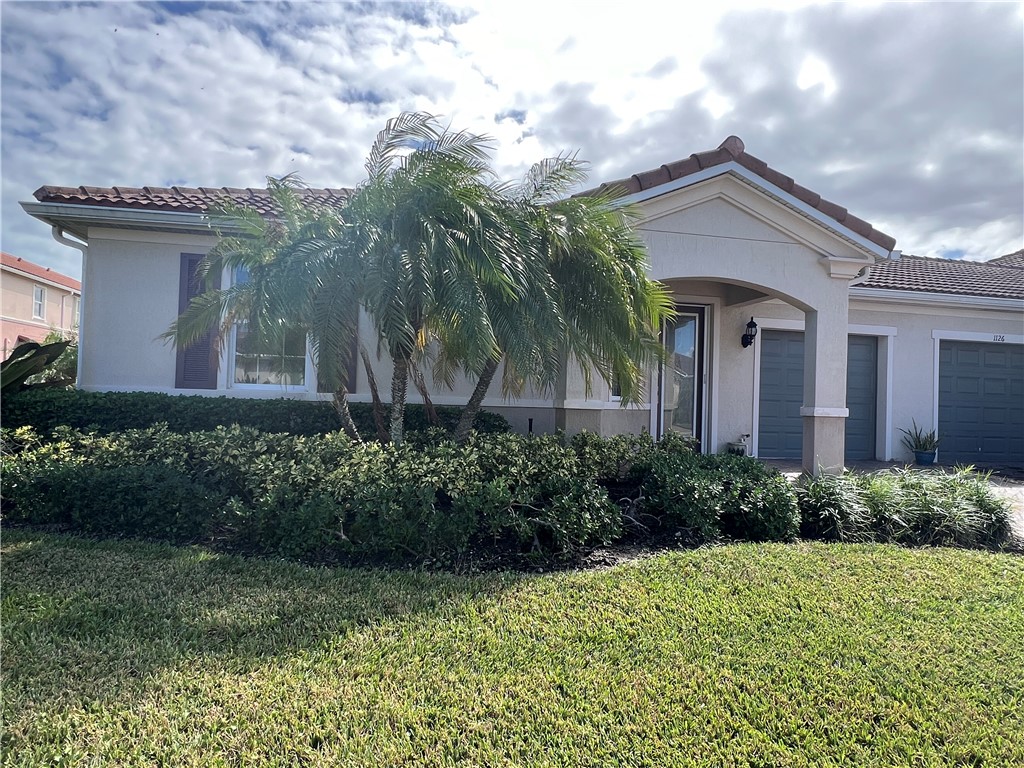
[
  {"x": 473, "y": 406},
  {"x": 421, "y": 385},
  {"x": 378, "y": 406},
  {"x": 340, "y": 403},
  {"x": 399, "y": 386}
]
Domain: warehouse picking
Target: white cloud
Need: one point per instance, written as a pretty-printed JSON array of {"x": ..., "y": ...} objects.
[
  {"x": 815, "y": 72},
  {"x": 117, "y": 93}
]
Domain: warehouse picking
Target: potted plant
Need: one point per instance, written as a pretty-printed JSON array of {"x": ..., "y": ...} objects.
[{"x": 922, "y": 443}]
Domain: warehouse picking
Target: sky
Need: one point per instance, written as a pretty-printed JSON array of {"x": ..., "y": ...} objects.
[{"x": 909, "y": 115}]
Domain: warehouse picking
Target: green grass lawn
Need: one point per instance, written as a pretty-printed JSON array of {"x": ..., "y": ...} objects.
[{"x": 120, "y": 653}]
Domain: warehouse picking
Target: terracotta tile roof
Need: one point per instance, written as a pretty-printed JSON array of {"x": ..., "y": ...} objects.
[
  {"x": 180, "y": 199},
  {"x": 16, "y": 262},
  {"x": 951, "y": 276},
  {"x": 733, "y": 150}
]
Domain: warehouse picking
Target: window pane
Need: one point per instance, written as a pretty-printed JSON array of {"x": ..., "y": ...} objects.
[{"x": 269, "y": 363}]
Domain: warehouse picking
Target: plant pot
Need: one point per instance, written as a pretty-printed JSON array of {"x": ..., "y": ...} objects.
[{"x": 924, "y": 458}]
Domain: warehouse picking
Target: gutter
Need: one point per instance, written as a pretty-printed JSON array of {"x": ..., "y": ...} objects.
[
  {"x": 58, "y": 235},
  {"x": 933, "y": 299},
  {"x": 99, "y": 216}
]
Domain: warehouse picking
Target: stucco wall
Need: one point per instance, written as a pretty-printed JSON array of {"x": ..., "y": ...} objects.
[
  {"x": 131, "y": 298},
  {"x": 747, "y": 249},
  {"x": 133, "y": 280}
]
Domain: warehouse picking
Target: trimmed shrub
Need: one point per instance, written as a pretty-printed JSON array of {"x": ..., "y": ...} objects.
[
  {"x": 705, "y": 496},
  {"x": 760, "y": 504},
  {"x": 154, "y": 501},
  {"x": 402, "y": 502},
  {"x": 107, "y": 412},
  {"x": 611, "y": 460},
  {"x": 681, "y": 499},
  {"x": 318, "y": 497},
  {"x": 537, "y": 494}
]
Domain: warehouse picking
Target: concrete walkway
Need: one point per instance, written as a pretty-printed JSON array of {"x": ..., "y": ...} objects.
[{"x": 1007, "y": 482}]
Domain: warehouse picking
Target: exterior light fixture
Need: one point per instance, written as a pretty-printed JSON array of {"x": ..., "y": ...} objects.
[{"x": 748, "y": 337}]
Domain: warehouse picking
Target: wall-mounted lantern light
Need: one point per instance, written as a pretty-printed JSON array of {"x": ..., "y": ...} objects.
[{"x": 748, "y": 337}]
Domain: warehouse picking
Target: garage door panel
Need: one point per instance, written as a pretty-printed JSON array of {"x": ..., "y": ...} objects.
[
  {"x": 995, "y": 416},
  {"x": 981, "y": 402},
  {"x": 780, "y": 426},
  {"x": 966, "y": 385},
  {"x": 996, "y": 386}
]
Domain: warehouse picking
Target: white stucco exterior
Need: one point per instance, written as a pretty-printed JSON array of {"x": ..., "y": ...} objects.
[{"x": 726, "y": 244}]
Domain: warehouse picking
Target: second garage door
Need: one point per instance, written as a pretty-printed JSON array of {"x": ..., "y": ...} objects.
[
  {"x": 780, "y": 426},
  {"x": 981, "y": 402}
]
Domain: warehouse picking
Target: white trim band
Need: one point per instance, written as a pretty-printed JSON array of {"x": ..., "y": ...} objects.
[
  {"x": 830, "y": 413},
  {"x": 991, "y": 338}
]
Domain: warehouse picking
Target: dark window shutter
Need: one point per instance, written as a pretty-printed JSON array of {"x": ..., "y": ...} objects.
[
  {"x": 350, "y": 369},
  {"x": 197, "y": 363}
]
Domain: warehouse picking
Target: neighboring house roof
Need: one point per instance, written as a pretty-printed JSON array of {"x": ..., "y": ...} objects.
[
  {"x": 733, "y": 150},
  {"x": 179, "y": 199},
  {"x": 996, "y": 278},
  {"x": 34, "y": 270}
]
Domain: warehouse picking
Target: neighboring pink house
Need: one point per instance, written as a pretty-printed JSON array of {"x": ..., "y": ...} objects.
[{"x": 35, "y": 300}]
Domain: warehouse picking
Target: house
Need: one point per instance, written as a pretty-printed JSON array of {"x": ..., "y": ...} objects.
[
  {"x": 35, "y": 300},
  {"x": 851, "y": 341}
]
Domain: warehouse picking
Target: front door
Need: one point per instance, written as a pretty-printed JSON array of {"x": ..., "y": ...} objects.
[{"x": 682, "y": 381}]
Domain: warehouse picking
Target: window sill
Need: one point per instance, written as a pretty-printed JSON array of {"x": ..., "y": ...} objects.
[{"x": 298, "y": 389}]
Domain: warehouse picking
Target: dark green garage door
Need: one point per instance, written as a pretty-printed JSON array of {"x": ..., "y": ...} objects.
[
  {"x": 779, "y": 425},
  {"x": 981, "y": 402}
]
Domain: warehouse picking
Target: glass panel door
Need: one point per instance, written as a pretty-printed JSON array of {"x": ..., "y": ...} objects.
[{"x": 683, "y": 381}]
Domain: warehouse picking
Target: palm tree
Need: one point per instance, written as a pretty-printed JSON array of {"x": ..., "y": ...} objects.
[
  {"x": 587, "y": 299},
  {"x": 432, "y": 248},
  {"x": 431, "y": 232}
]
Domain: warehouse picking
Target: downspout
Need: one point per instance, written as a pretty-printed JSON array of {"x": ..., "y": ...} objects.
[{"x": 58, "y": 234}]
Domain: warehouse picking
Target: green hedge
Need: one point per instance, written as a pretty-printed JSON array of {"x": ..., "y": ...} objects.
[
  {"x": 325, "y": 498},
  {"x": 107, "y": 412}
]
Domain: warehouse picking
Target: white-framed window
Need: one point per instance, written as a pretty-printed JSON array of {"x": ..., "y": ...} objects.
[
  {"x": 76, "y": 311},
  {"x": 38, "y": 302},
  {"x": 283, "y": 363}
]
